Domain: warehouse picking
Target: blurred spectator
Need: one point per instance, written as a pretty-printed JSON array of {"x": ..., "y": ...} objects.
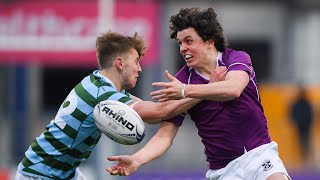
[{"x": 302, "y": 117}]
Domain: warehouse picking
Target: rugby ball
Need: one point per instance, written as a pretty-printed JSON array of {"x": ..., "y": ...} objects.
[{"x": 119, "y": 122}]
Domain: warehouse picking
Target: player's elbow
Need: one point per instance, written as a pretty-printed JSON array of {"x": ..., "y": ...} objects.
[{"x": 234, "y": 93}]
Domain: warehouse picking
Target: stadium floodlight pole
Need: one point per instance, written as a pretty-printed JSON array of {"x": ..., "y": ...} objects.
[{"x": 105, "y": 146}]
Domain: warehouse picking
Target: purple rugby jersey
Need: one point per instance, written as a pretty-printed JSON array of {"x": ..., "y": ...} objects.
[{"x": 228, "y": 128}]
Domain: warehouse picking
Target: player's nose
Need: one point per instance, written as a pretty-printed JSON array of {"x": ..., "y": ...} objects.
[
  {"x": 183, "y": 48},
  {"x": 139, "y": 68}
]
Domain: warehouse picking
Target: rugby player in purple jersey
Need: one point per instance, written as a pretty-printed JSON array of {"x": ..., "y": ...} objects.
[{"x": 230, "y": 119}]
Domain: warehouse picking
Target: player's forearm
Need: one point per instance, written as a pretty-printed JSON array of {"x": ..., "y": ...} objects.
[
  {"x": 153, "y": 113},
  {"x": 235, "y": 82},
  {"x": 218, "y": 91},
  {"x": 158, "y": 144},
  {"x": 152, "y": 150},
  {"x": 175, "y": 107}
]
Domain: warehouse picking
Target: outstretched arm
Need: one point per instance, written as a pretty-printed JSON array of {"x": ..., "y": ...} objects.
[
  {"x": 156, "y": 147},
  {"x": 230, "y": 88},
  {"x": 226, "y": 90},
  {"x": 152, "y": 112}
]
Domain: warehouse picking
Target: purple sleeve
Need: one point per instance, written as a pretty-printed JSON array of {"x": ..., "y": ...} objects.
[
  {"x": 177, "y": 120},
  {"x": 240, "y": 60},
  {"x": 181, "y": 76}
]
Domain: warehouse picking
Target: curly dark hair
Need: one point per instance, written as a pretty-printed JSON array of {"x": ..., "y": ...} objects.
[
  {"x": 204, "y": 22},
  {"x": 111, "y": 44}
]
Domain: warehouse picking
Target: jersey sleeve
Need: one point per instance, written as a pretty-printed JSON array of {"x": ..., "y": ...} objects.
[
  {"x": 239, "y": 60},
  {"x": 177, "y": 120}
]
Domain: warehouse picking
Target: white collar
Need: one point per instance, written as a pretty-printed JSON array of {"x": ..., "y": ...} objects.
[{"x": 219, "y": 57}]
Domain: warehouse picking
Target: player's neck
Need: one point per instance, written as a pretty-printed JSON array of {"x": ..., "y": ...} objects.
[
  {"x": 112, "y": 76},
  {"x": 208, "y": 64}
]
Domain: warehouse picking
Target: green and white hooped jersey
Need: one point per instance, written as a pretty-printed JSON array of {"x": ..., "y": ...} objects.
[{"x": 72, "y": 134}]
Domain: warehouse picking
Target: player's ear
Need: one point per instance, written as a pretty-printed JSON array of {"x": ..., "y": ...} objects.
[{"x": 119, "y": 63}]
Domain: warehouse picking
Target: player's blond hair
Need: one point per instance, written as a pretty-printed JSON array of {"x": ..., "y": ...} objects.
[{"x": 111, "y": 44}]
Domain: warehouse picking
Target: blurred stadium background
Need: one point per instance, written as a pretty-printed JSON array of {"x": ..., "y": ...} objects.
[{"x": 48, "y": 46}]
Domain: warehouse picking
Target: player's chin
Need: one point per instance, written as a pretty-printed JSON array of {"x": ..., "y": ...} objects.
[
  {"x": 190, "y": 64},
  {"x": 133, "y": 84}
]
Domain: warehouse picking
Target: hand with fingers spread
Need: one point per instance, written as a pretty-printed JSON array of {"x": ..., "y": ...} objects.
[
  {"x": 125, "y": 167},
  {"x": 171, "y": 90}
]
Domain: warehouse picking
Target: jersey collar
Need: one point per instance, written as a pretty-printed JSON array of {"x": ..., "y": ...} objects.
[{"x": 103, "y": 78}]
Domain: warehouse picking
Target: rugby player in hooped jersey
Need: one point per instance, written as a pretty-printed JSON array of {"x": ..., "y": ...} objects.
[
  {"x": 70, "y": 137},
  {"x": 230, "y": 120}
]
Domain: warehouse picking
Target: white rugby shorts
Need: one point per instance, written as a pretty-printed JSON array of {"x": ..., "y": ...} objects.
[{"x": 257, "y": 164}]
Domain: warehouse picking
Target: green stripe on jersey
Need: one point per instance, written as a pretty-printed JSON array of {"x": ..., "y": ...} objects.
[
  {"x": 40, "y": 174},
  {"x": 105, "y": 96},
  {"x": 34, "y": 172},
  {"x": 68, "y": 130},
  {"x": 127, "y": 93},
  {"x": 96, "y": 81},
  {"x": 124, "y": 99},
  {"x": 78, "y": 154},
  {"x": 55, "y": 142},
  {"x": 84, "y": 95},
  {"x": 91, "y": 141},
  {"x": 38, "y": 150},
  {"x": 79, "y": 115},
  {"x": 48, "y": 160},
  {"x": 26, "y": 162}
]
